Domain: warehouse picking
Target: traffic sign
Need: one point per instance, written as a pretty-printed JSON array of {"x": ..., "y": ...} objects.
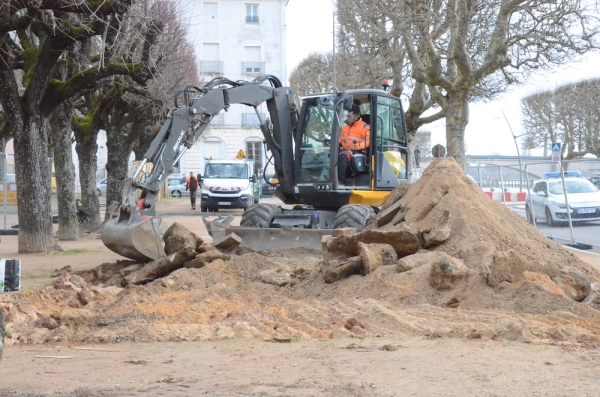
[
  {"x": 241, "y": 155},
  {"x": 438, "y": 151},
  {"x": 556, "y": 158},
  {"x": 556, "y": 146}
]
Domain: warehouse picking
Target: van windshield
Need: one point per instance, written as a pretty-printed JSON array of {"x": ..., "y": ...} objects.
[{"x": 226, "y": 171}]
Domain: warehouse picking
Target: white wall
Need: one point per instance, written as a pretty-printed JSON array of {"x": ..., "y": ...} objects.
[{"x": 230, "y": 31}]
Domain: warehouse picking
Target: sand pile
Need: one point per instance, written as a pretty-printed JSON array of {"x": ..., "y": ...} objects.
[{"x": 485, "y": 273}]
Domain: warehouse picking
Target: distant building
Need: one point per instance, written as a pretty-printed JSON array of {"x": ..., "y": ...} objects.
[{"x": 239, "y": 40}]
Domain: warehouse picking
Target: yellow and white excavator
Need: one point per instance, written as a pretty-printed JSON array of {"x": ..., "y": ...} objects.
[{"x": 304, "y": 148}]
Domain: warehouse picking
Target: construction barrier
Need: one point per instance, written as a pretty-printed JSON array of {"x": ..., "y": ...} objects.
[
  {"x": 11, "y": 197},
  {"x": 509, "y": 197}
]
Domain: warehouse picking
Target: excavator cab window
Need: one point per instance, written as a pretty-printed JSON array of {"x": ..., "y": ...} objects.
[
  {"x": 316, "y": 140},
  {"x": 391, "y": 144}
]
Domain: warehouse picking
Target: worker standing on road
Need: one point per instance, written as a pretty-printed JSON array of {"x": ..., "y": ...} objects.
[
  {"x": 417, "y": 154},
  {"x": 355, "y": 138},
  {"x": 192, "y": 185}
]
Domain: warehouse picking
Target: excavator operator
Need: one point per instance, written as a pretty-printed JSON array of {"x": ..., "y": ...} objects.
[{"x": 355, "y": 138}]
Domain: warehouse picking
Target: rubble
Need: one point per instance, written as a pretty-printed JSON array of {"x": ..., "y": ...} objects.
[
  {"x": 177, "y": 237},
  {"x": 439, "y": 260}
]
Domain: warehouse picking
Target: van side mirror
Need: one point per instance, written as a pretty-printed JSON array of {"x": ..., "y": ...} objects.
[
  {"x": 541, "y": 193},
  {"x": 199, "y": 177},
  {"x": 252, "y": 179}
]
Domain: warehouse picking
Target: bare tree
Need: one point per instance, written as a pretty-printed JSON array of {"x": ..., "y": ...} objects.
[
  {"x": 371, "y": 50},
  {"x": 472, "y": 49},
  {"x": 34, "y": 36},
  {"x": 569, "y": 113},
  {"x": 140, "y": 111}
]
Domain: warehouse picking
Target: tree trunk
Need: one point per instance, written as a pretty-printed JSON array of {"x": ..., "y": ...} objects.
[
  {"x": 3, "y": 159},
  {"x": 87, "y": 148},
  {"x": 118, "y": 144},
  {"x": 68, "y": 227},
  {"x": 33, "y": 185},
  {"x": 457, "y": 118},
  {"x": 117, "y": 162}
]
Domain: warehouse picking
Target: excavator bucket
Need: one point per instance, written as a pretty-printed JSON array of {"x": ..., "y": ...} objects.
[{"x": 137, "y": 238}]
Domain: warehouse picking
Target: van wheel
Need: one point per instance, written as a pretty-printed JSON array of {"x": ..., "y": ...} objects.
[
  {"x": 260, "y": 215},
  {"x": 203, "y": 208},
  {"x": 353, "y": 215}
]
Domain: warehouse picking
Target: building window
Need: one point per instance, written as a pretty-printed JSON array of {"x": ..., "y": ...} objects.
[
  {"x": 210, "y": 63},
  {"x": 254, "y": 152},
  {"x": 253, "y": 64},
  {"x": 210, "y": 11},
  {"x": 251, "y": 119},
  {"x": 252, "y": 14}
]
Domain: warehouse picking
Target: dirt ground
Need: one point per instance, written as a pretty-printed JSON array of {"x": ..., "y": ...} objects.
[{"x": 214, "y": 330}]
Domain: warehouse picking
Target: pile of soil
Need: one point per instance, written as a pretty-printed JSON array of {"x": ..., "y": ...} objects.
[{"x": 518, "y": 285}]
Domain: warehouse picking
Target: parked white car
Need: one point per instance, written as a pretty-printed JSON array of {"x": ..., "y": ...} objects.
[
  {"x": 101, "y": 187},
  {"x": 177, "y": 187},
  {"x": 548, "y": 203}
]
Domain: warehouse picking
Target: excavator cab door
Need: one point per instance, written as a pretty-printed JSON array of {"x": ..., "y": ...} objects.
[{"x": 390, "y": 143}]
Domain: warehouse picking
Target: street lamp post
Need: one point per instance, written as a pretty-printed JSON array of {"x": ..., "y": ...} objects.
[
  {"x": 334, "y": 82},
  {"x": 518, "y": 152}
]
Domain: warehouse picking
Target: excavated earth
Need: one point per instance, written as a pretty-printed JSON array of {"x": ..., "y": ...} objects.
[{"x": 510, "y": 282}]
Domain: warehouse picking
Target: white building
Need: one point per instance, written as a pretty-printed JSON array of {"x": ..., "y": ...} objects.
[{"x": 239, "y": 40}]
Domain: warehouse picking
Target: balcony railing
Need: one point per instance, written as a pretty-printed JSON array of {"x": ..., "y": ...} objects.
[
  {"x": 251, "y": 20},
  {"x": 218, "y": 120},
  {"x": 251, "y": 119},
  {"x": 211, "y": 67},
  {"x": 253, "y": 68}
]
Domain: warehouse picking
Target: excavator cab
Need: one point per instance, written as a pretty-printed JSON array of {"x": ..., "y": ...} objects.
[{"x": 374, "y": 171}]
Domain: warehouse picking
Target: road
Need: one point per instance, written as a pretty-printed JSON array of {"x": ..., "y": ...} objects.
[{"x": 587, "y": 233}]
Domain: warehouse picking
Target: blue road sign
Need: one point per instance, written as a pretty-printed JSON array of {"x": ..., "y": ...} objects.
[{"x": 556, "y": 146}]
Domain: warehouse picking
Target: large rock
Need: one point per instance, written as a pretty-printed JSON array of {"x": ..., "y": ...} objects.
[
  {"x": 401, "y": 238},
  {"x": 230, "y": 241},
  {"x": 160, "y": 267},
  {"x": 178, "y": 237},
  {"x": 395, "y": 195},
  {"x": 335, "y": 270},
  {"x": 419, "y": 259},
  {"x": 502, "y": 266},
  {"x": 205, "y": 258},
  {"x": 375, "y": 255},
  {"x": 437, "y": 235},
  {"x": 446, "y": 273},
  {"x": 280, "y": 277},
  {"x": 576, "y": 285}
]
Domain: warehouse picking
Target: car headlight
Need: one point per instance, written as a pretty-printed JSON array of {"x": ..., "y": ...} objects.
[{"x": 558, "y": 204}]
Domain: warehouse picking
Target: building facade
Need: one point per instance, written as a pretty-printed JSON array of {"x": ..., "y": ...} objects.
[{"x": 239, "y": 40}]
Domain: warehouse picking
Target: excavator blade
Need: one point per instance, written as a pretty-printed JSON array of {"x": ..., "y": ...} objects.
[{"x": 138, "y": 239}]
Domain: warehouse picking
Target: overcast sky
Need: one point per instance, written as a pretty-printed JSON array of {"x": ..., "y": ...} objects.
[{"x": 310, "y": 29}]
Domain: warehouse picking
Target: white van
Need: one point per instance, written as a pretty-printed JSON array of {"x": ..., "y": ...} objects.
[{"x": 228, "y": 184}]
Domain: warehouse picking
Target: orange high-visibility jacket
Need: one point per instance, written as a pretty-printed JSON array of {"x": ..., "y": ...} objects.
[{"x": 360, "y": 130}]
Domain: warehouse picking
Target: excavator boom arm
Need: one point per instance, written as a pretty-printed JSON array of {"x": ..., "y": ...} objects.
[{"x": 182, "y": 129}]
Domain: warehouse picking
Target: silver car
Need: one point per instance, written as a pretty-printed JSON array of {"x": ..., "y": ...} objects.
[
  {"x": 101, "y": 187},
  {"x": 547, "y": 202},
  {"x": 177, "y": 187}
]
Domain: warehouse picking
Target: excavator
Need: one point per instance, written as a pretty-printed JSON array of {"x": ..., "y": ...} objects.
[{"x": 304, "y": 147}]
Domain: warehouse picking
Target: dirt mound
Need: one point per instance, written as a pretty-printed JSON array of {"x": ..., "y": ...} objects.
[{"x": 480, "y": 271}]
